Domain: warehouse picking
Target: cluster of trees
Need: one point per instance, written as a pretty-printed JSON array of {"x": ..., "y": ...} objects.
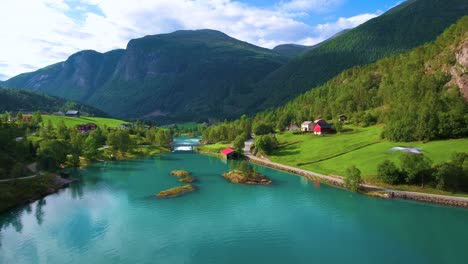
[
  {"x": 265, "y": 144},
  {"x": 15, "y": 151},
  {"x": 417, "y": 169},
  {"x": 228, "y": 131},
  {"x": 415, "y": 103},
  {"x": 59, "y": 145}
]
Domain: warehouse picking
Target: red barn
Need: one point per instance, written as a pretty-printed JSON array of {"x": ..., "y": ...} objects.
[{"x": 321, "y": 127}]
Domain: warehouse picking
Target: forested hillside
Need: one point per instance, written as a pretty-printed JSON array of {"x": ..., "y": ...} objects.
[
  {"x": 417, "y": 95},
  {"x": 16, "y": 100},
  {"x": 401, "y": 29}
]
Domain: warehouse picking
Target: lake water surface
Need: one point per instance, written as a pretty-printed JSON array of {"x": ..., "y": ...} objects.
[{"x": 110, "y": 216}]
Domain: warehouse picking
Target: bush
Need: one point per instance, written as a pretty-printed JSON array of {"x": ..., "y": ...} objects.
[
  {"x": 239, "y": 142},
  {"x": 262, "y": 129},
  {"x": 388, "y": 172},
  {"x": 352, "y": 180},
  {"x": 416, "y": 168},
  {"x": 265, "y": 144},
  {"x": 448, "y": 176}
]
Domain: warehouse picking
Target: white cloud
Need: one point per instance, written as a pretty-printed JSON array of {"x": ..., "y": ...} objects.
[
  {"x": 38, "y": 33},
  {"x": 311, "y": 5},
  {"x": 343, "y": 23}
]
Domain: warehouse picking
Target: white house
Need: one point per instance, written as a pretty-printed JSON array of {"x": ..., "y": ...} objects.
[{"x": 307, "y": 126}]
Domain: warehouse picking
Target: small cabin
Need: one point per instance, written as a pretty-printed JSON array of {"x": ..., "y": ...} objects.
[
  {"x": 321, "y": 127},
  {"x": 307, "y": 126},
  {"x": 73, "y": 113},
  {"x": 229, "y": 153}
]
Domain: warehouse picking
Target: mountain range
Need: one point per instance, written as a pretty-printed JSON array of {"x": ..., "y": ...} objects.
[{"x": 205, "y": 74}]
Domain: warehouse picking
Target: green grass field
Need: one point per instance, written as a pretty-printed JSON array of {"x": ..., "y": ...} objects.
[
  {"x": 212, "y": 148},
  {"x": 362, "y": 147},
  {"x": 73, "y": 121}
]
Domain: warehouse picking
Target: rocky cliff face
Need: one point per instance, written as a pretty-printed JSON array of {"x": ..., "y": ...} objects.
[{"x": 460, "y": 70}]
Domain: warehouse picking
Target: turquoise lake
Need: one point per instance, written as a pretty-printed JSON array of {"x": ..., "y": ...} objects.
[{"x": 111, "y": 216}]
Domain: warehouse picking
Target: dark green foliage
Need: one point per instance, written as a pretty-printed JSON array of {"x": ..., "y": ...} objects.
[
  {"x": 14, "y": 100},
  {"x": 228, "y": 131},
  {"x": 266, "y": 143},
  {"x": 449, "y": 177},
  {"x": 338, "y": 126},
  {"x": 262, "y": 129},
  {"x": 239, "y": 142},
  {"x": 119, "y": 140},
  {"x": 77, "y": 140},
  {"x": 414, "y": 103},
  {"x": 453, "y": 175},
  {"x": 352, "y": 179},
  {"x": 291, "y": 50},
  {"x": 401, "y": 29},
  {"x": 13, "y": 152},
  {"x": 416, "y": 167},
  {"x": 388, "y": 172},
  {"x": 245, "y": 167},
  {"x": 51, "y": 154}
]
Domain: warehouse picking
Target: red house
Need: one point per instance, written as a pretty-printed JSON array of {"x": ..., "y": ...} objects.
[
  {"x": 321, "y": 127},
  {"x": 86, "y": 128}
]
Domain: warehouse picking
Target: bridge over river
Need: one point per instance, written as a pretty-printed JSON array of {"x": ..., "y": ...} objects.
[{"x": 183, "y": 143}]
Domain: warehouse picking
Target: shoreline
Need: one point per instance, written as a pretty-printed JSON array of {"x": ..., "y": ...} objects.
[
  {"x": 370, "y": 190},
  {"x": 58, "y": 183}
]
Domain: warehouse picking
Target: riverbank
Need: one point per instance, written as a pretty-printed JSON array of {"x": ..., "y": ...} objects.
[
  {"x": 24, "y": 191},
  {"x": 372, "y": 190}
]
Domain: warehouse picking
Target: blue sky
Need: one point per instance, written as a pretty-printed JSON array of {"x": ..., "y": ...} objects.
[{"x": 37, "y": 33}]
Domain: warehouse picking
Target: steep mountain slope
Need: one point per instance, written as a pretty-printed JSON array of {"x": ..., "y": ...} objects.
[
  {"x": 291, "y": 50},
  {"x": 402, "y": 28},
  {"x": 420, "y": 95},
  {"x": 181, "y": 75},
  {"x": 15, "y": 100}
]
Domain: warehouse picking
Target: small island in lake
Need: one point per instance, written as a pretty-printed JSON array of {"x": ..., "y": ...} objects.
[
  {"x": 183, "y": 175},
  {"x": 245, "y": 174},
  {"x": 176, "y": 191},
  {"x": 187, "y": 179},
  {"x": 180, "y": 173}
]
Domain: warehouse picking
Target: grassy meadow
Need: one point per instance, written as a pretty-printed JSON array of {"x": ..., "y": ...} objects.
[
  {"x": 362, "y": 147},
  {"x": 73, "y": 121}
]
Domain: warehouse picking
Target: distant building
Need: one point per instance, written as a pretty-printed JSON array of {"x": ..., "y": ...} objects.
[
  {"x": 342, "y": 118},
  {"x": 86, "y": 128},
  {"x": 73, "y": 113},
  {"x": 292, "y": 127},
  {"x": 59, "y": 113},
  {"x": 27, "y": 118},
  {"x": 321, "y": 127},
  {"x": 307, "y": 126},
  {"x": 125, "y": 126}
]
